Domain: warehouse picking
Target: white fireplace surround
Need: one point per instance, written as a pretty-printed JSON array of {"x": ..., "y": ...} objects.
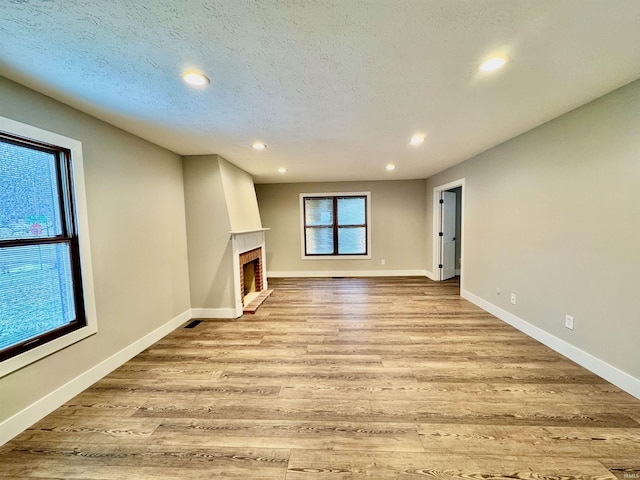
[{"x": 243, "y": 241}]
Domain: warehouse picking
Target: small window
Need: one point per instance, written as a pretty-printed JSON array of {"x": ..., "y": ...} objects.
[
  {"x": 335, "y": 225},
  {"x": 41, "y": 286}
]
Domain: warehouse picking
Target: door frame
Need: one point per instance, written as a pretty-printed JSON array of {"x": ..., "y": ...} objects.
[{"x": 437, "y": 221}]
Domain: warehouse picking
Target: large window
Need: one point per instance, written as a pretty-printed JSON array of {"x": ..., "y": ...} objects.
[
  {"x": 42, "y": 301},
  {"x": 335, "y": 225}
]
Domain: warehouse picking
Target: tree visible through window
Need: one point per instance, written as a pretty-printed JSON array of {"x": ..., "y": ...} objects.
[
  {"x": 335, "y": 225},
  {"x": 40, "y": 285}
]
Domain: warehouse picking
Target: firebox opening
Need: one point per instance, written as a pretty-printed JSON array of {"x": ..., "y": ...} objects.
[
  {"x": 251, "y": 281},
  {"x": 249, "y": 273}
]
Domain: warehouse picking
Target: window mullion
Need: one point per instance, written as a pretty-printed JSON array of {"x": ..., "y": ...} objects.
[
  {"x": 304, "y": 217},
  {"x": 335, "y": 225},
  {"x": 65, "y": 200},
  {"x": 23, "y": 242}
]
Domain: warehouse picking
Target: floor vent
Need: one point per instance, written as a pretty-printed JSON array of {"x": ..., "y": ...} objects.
[{"x": 193, "y": 324}]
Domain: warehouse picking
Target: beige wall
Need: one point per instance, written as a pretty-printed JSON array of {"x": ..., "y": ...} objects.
[
  {"x": 240, "y": 196},
  {"x": 208, "y": 227},
  {"x": 219, "y": 198},
  {"x": 135, "y": 205},
  {"x": 554, "y": 216},
  {"x": 397, "y": 223}
]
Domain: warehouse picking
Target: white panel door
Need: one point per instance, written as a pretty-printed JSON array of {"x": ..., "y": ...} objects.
[{"x": 448, "y": 237}]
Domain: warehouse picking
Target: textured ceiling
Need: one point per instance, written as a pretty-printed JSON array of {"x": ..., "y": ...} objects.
[{"x": 334, "y": 88}]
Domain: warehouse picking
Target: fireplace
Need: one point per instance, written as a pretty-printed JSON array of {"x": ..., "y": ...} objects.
[
  {"x": 251, "y": 281},
  {"x": 250, "y": 276}
]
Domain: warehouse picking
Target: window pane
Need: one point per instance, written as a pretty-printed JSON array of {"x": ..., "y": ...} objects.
[
  {"x": 352, "y": 240},
  {"x": 319, "y": 241},
  {"x": 351, "y": 211},
  {"x": 318, "y": 211},
  {"x": 36, "y": 292},
  {"x": 28, "y": 193}
]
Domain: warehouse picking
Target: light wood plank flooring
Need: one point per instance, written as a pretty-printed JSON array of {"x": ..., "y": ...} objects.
[{"x": 386, "y": 378}]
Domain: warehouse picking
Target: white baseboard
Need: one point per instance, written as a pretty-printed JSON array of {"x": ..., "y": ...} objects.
[
  {"x": 346, "y": 273},
  {"x": 601, "y": 368},
  {"x": 43, "y": 407},
  {"x": 213, "y": 313},
  {"x": 429, "y": 275}
]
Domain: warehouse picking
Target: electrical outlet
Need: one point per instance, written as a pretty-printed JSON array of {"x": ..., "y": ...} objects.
[
  {"x": 513, "y": 298},
  {"x": 568, "y": 322},
  {"x": 382, "y": 262},
  {"x": 498, "y": 291}
]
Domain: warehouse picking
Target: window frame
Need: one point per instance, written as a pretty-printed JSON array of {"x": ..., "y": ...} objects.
[
  {"x": 75, "y": 233},
  {"x": 335, "y": 256}
]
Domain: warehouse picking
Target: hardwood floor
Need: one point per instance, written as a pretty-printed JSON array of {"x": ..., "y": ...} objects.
[{"x": 386, "y": 378}]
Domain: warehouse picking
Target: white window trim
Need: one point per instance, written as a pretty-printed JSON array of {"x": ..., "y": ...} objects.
[
  {"x": 335, "y": 257},
  {"x": 19, "y": 361}
]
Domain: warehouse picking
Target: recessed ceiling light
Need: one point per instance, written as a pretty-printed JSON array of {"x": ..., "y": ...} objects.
[
  {"x": 259, "y": 146},
  {"x": 282, "y": 170},
  {"x": 390, "y": 167},
  {"x": 196, "y": 79},
  {"x": 494, "y": 63},
  {"x": 417, "y": 139}
]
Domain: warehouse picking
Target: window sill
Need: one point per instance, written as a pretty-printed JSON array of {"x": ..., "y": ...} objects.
[{"x": 336, "y": 257}]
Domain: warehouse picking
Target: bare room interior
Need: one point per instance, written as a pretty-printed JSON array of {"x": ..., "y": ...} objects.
[{"x": 319, "y": 239}]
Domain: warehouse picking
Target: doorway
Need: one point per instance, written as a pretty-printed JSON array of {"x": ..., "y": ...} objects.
[{"x": 448, "y": 231}]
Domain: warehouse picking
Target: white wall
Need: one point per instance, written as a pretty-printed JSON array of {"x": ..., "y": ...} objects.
[{"x": 554, "y": 216}]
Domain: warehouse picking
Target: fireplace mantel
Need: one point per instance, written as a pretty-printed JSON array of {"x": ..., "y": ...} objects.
[{"x": 244, "y": 232}]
